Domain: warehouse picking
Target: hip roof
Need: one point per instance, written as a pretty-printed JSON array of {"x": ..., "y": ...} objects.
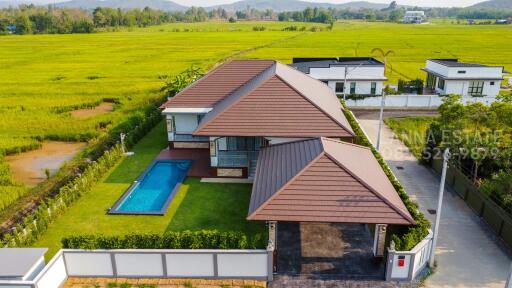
[{"x": 324, "y": 180}]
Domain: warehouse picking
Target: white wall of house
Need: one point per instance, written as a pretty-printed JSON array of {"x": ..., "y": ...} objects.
[
  {"x": 362, "y": 87},
  {"x": 363, "y": 76},
  {"x": 465, "y": 72},
  {"x": 185, "y": 123},
  {"x": 460, "y": 87}
]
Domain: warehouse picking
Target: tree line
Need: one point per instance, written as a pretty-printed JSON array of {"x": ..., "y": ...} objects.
[{"x": 31, "y": 19}]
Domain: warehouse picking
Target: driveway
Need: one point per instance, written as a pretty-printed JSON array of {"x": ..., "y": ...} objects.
[
  {"x": 327, "y": 251},
  {"x": 468, "y": 253}
]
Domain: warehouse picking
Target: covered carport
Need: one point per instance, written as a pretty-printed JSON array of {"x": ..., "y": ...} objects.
[{"x": 327, "y": 204}]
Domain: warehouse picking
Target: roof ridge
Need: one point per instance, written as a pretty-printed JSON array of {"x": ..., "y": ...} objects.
[
  {"x": 346, "y": 143},
  {"x": 384, "y": 199},
  {"x": 298, "y": 174},
  {"x": 207, "y": 119},
  {"x": 294, "y": 141},
  {"x": 349, "y": 131}
]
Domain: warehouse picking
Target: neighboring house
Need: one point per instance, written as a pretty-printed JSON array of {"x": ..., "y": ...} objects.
[
  {"x": 363, "y": 75},
  {"x": 449, "y": 76},
  {"x": 414, "y": 17},
  {"x": 245, "y": 105}
]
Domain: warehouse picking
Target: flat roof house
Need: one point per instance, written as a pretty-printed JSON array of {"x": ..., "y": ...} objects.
[
  {"x": 414, "y": 17},
  {"x": 363, "y": 75},
  {"x": 449, "y": 76}
]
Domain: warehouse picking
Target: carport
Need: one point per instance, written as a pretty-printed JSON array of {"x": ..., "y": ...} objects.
[{"x": 321, "y": 198}]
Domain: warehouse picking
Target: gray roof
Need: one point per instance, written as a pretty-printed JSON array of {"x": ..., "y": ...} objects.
[
  {"x": 305, "y": 64},
  {"x": 456, "y": 63},
  {"x": 17, "y": 262}
]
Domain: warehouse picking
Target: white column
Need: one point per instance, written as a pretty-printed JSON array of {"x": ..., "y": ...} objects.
[
  {"x": 379, "y": 240},
  {"x": 272, "y": 234}
]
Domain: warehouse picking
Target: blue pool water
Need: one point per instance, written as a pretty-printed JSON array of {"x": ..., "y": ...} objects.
[{"x": 155, "y": 188}]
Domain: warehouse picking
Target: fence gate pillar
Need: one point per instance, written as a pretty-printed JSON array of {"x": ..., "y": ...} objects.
[
  {"x": 272, "y": 242},
  {"x": 379, "y": 240}
]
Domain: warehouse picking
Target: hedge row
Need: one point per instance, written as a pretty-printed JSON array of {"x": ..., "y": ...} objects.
[
  {"x": 405, "y": 237},
  {"x": 204, "y": 239},
  {"x": 35, "y": 224}
]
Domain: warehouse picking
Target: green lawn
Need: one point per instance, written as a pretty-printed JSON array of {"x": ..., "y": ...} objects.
[
  {"x": 412, "y": 131},
  {"x": 196, "y": 205}
]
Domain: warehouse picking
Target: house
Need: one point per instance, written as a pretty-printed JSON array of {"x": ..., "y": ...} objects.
[
  {"x": 449, "y": 76},
  {"x": 414, "y": 17},
  {"x": 287, "y": 131},
  {"x": 21, "y": 263},
  {"x": 245, "y": 105},
  {"x": 362, "y": 75}
]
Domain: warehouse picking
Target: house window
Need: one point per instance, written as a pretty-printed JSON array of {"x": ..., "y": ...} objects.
[
  {"x": 476, "y": 88},
  {"x": 373, "y": 90},
  {"x": 431, "y": 81},
  {"x": 353, "y": 88},
  {"x": 492, "y": 83},
  {"x": 461, "y": 71},
  {"x": 440, "y": 84},
  {"x": 325, "y": 82},
  {"x": 339, "y": 87}
]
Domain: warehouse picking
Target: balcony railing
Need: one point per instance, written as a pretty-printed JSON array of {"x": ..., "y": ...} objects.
[
  {"x": 236, "y": 158},
  {"x": 190, "y": 138}
]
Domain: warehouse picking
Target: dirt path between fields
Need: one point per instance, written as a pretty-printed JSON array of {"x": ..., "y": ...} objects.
[{"x": 103, "y": 108}]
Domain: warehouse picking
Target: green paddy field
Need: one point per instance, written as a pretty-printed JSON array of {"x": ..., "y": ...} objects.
[{"x": 43, "y": 78}]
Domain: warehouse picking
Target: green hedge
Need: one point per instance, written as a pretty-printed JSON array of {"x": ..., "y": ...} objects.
[
  {"x": 204, "y": 239},
  {"x": 405, "y": 237}
]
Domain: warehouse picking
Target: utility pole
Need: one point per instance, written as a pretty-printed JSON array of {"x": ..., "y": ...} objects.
[
  {"x": 381, "y": 116},
  {"x": 509, "y": 279},
  {"x": 345, "y": 79},
  {"x": 446, "y": 157}
]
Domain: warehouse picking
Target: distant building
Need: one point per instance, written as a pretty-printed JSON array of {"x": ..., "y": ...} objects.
[
  {"x": 502, "y": 21},
  {"x": 363, "y": 75},
  {"x": 449, "y": 76},
  {"x": 414, "y": 17}
]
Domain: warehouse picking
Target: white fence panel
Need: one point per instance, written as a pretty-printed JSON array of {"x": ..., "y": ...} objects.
[
  {"x": 14, "y": 285},
  {"x": 54, "y": 274},
  {"x": 88, "y": 264},
  {"x": 411, "y": 101},
  {"x": 190, "y": 265},
  {"x": 138, "y": 264},
  {"x": 243, "y": 265}
]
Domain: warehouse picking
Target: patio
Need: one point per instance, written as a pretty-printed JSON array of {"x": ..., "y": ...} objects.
[{"x": 200, "y": 160}]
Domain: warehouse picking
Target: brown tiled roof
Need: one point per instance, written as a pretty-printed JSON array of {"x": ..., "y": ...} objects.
[
  {"x": 324, "y": 180},
  {"x": 218, "y": 83},
  {"x": 279, "y": 101}
]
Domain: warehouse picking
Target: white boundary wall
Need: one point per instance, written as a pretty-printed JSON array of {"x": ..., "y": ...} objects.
[
  {"x": 410, "y": 101},
  {"x": 414, "y": 261},
  {"x": 147, "y": 263}
]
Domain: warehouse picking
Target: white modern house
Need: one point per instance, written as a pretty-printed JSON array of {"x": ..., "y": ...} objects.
[
  {"x": 449, "y": 76},
  {"x": 352, "y": 75},
  {"x": 414, "y": 17}
]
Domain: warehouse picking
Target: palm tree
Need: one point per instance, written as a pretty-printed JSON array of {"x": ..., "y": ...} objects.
[{"x": 384, "y": 55}]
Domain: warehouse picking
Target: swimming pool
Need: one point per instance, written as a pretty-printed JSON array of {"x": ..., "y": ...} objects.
[{"x": 153, "y": 192}]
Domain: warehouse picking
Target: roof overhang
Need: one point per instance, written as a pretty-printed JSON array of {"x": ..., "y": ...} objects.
[
  {"x": 460, "y": 78},
  {"x": 180, "y": 110},
  {"x": 354, "y": 79}
]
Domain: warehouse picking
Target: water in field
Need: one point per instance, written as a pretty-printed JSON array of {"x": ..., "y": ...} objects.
[{"x": 29, "y": 167}]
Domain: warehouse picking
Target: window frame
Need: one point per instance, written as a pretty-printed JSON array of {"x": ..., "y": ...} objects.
[
  {"x": 476, "y": 88},
  {"x": 373, "y": 88},
  {"x": 352, "y": 87},
  {"x": 441, "y": 84},
  {"x": 342, "y": 87}
]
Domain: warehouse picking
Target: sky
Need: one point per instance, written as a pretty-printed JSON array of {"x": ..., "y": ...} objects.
[{"x": 422, "y": 3}]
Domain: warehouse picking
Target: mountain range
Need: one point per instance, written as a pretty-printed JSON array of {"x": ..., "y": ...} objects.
[
  {"x": 497, "y": 4},
  {"x": 279, "y": 6}
]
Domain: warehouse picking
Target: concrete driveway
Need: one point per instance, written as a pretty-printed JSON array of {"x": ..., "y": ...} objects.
[{"x": 468, "y": 252}]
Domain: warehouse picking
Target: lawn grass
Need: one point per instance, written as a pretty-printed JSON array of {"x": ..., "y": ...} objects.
[
  {"x": 412, "y": 131},
  {"x": 196, "y": 205}
]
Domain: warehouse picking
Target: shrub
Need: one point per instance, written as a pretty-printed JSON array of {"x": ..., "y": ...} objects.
[
  {"x": 405, "y": 237},
  {"x": 204, "y": 239}
]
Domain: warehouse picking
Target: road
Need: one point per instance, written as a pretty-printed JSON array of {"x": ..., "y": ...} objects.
[{"x": 468, "y": 252}]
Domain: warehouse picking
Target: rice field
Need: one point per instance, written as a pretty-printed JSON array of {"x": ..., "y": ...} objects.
[{"x": 44, "y": 78}]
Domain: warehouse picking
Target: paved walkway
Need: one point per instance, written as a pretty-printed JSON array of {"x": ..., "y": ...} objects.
[{"x": 468, "y": 252}]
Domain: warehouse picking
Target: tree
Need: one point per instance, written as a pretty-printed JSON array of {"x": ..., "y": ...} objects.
[
  {"x": 173, "y": 85},
  {"x": 23, "y": 25},
  {"x": 384, "y": 55}
]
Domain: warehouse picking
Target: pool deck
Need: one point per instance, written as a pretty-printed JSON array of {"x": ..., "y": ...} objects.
[{"x": 200, "y": 160}]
